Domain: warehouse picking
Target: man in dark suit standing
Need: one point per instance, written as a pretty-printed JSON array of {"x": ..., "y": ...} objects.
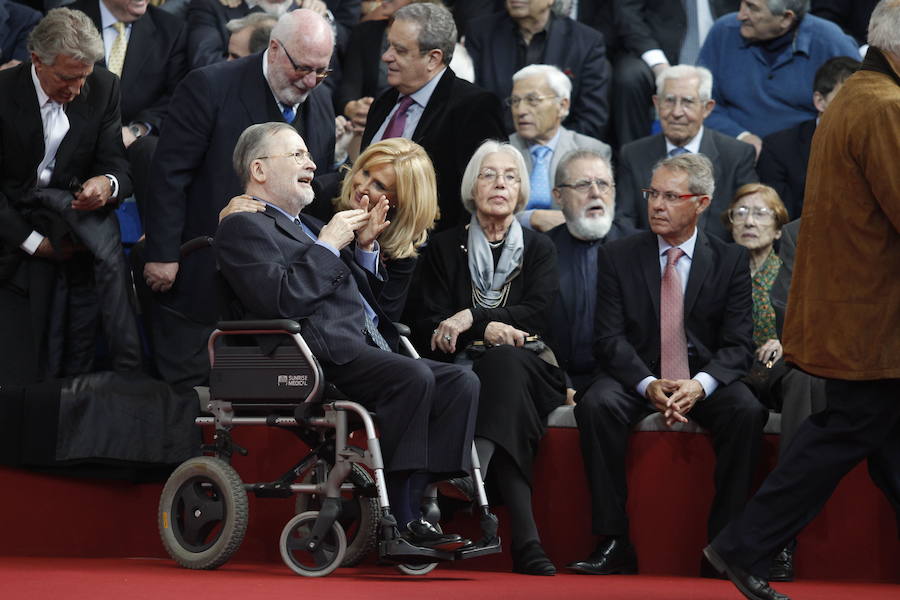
[
  {"x": 150, "y": 58},
  {"x": 785, "y": 154},
  {"x": 586, "y": 193},
  {"x": 683, "y": 100},
  {"x": 429, "y": 104},
  {"x": 60, "y": 133},
  {"x": 281, "y": 264},
  {"x": 529, "y": 33},
  {"x": 208, "y": 112},
  {"x": 674, "y": 336}
]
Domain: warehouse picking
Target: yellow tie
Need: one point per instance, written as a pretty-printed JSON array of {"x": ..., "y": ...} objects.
[{"x": 117, "y": 51}]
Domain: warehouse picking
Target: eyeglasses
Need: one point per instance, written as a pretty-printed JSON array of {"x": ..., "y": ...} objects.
[
  {"x": 491, "y": 176},
  {"x": 302, "y": 70},
  {"x": 688, "y": 103},
  {"x": 298, "y": 157},
  {"x": 669, "y": 197},
  {"x": 530, "y": 99},
  {"x": 582, "y": 186},
  {"x": 761, "y": 215}
]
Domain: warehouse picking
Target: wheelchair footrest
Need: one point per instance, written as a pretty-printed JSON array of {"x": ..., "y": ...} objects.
[
  {"x": 401, "y": 551},
  {"x": 480, "y": 548}
]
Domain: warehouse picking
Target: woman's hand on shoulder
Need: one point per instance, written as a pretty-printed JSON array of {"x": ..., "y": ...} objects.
[
  {"x": 242, "y": 203},
  {"x": 497, "y": 334},
  {"x": 444, "y": 336}
]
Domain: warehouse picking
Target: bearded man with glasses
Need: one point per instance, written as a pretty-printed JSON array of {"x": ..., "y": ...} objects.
[{"x": 683, "y": 101}]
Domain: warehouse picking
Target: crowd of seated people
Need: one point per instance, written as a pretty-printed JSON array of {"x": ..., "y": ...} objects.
[{"x": 516, "y": 173}]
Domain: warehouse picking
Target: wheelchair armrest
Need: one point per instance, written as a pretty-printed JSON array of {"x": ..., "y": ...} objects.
[
  {"x": 274, "y": 325},
  {"x": 402, "y": 329},
  {"x": 194, "y": 244}
]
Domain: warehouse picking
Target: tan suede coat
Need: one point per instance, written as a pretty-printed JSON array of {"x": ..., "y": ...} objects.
[{"x": 843, "y": 315}]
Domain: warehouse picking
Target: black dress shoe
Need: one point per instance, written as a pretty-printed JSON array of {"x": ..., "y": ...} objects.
[
  {"x": 422, "y": 533},
  {"x": 782, "y": 568},
  {"x": 613, "y": 556},
  {"x": 458, "y": 488},
  {"x": 530, "y": 559},
  {"x": 750, "y": 586}
]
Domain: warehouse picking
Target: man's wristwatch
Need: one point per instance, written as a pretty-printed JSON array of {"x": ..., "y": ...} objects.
[{"x": 136, "y": 130}]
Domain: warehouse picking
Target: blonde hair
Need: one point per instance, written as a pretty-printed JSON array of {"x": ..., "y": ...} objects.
[{"x": 416, "y": 194}]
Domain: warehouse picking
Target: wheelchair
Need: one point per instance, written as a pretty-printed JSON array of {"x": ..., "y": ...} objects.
[{"x": 342, "y": 505}]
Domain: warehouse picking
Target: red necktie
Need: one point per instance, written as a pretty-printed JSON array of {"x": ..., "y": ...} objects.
[
  {"x": 398, "y": 121},
  {"x": 674, "y": 363}
]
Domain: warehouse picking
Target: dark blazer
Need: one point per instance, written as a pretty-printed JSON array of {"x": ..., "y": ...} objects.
[
  {"x": 576, "y": 49},
  {"x": 279, "y": 272},
  {"x": 459, "y": 116},
  {"x": 648, "y": 24},
  {"x": 563, "y": 314},
  {"x": 717, "y": 309},
  {"x": 852, "y": 15},
  {"x": 93, "y": 146},
  {"x": 155, "y": 62},
  {"x": 732, "y": 162},
  {"x": 191, "y": 175},
  {"x": 16, "y": 22},
  {"x": 783, "y": 161},
  {"x": 362, "y": 67}
]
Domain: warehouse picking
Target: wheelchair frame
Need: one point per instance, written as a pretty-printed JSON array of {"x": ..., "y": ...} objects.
[{"x": 203, "y": 507}]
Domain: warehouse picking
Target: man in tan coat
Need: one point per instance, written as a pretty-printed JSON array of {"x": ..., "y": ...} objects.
[{"x": 843, "y": 316}]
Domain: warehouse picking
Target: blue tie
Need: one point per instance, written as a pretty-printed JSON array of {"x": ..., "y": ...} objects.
[
  {"x": 540, "y": 178},
  {"x": 678, "y": 151},
  {"x": 289, "y": 114}
]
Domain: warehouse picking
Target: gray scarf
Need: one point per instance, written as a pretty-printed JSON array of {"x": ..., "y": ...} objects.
[{"x": 490, "y": 286}]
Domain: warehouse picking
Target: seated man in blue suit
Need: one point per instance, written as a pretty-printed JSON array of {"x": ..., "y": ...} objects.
[{"x": 284, "y": 265}]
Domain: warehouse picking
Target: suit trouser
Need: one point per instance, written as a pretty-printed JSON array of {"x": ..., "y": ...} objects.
[
  {"x": 425, "y": 410},
  {"x": 630, "y": 98},
  {"x": 861, "y": 421},
  {"x": 98, "y": 230},
  {"x": 606, "y": 413}
]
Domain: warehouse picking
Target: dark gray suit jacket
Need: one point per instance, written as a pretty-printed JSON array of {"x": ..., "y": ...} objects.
[{"x": 732, "y": 161}]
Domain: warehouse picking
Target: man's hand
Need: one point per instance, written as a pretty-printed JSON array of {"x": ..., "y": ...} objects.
[
  {"x": 366, "y": 236},
  {"x": 358, "y": 111},
  {"x": 342, "y": 227},
  {"x": 94, "y": 194},
  {"x": 659, "y": 68},
  {"x": 682, "y": 400},
  {"x": 752, "y": 139},
  {"x": 445, "y": 335},
  {"x": 160, "y": 276},
  {"x": 343, "y": 135},
  {"x": 544, "y": 219},
  {"x": 658, "y": 393},
  {"x": 498, "y": 333},
  {"x": 47, "y": 250},
  {"x": 769, "y": 352},
  {"x": 317, "y": 6},
  {"x": 10, "y": 64},
  {"x": 127, "y": 137},
  {"x": 570, "y": 396},
  {"x": 242, "y": 203}
]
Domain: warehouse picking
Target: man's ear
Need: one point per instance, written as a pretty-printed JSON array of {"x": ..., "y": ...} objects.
[
  {"x": 258, "y": 171},
  {"x": 435, "y": 59},
  {"x": 819, "y": 102},
  {"x": 703, "y": 203}
]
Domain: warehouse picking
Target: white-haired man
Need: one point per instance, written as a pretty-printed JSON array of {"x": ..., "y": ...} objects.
[{"x": 539, "y": 103}]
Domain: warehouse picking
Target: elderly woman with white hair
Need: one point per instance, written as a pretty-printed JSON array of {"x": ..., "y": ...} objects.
[{"x": 487, "y": 289}]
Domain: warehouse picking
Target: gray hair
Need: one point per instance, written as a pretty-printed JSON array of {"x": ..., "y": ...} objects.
[
  {"x": 562, "y": 169},
  {"x": 683, "y": 72},
  {"x": 699, "y": 169},
  {"x": 556, "y": 79},
  {"x": 252, "y": 144},
  {"x": 884, "y": 26},
  {"x": 437, "y": 30},
  {"x": 799, "y": 7},
  {"x": 470, "y": 176},
  {"x": 66, "y": 32}
]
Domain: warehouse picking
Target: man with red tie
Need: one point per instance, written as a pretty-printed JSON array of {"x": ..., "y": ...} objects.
[{"x": 673, "y": 334}]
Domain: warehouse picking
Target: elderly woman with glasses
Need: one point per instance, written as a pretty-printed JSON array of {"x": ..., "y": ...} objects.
[{"x": 487, "y": 288}]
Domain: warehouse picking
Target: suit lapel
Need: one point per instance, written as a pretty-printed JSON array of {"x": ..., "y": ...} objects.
[
  {"x": 436, "y": 104},
  {"x": 78, "y": 111},
  {"x": 565, "y": 144},
  {"x": 290, "y": 228},
  {"x": 649, "y": 261},
  {"x": 142, "y": 32},
  {"x": 29, "y": 116},
  {"x": 379, "y": 112},
  {"x": 255, "y": 94},
  {"x": 701, "y": 263}
]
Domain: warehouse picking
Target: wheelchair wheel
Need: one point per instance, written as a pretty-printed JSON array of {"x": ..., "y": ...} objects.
[
  {"x": 419, "y": 568},
  {"x": 359, "y": 515},
  {"x": 203, "y": 513},
  {"x": 325, "y": 559}
]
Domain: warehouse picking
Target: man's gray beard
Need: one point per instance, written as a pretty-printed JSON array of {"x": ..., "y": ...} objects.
[{"x": 590, "y": 229}]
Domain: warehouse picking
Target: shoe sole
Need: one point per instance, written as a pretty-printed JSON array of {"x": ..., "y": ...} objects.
[
  {"x": 716, "y": 561},
  {"x": 582, "y": 571},
  {"x": 451, "y": 491}
]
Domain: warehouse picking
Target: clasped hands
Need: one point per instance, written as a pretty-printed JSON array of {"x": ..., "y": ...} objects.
[{"x": 674, "y": 398}]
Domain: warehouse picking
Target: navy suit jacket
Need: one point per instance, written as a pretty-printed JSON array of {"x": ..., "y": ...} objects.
[
  {"x": 459, "y": 116},
  {"x": 717, "y": 309},
  {"x": 155, "y": 62},
  {"x": 732, "y": 165},
  {"x": 277, "y": 271},
  {"x": 16, "y": 22},
  {"x": 578, "y": 51},
  {"x": 783, "y": 161},
  {"x": 191, "y": 176}
]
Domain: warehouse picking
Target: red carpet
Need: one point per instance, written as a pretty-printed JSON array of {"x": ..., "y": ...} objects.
[{"x": 153, "y": 579}]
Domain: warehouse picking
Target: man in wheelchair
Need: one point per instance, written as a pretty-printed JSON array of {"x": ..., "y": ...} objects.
[{"x": 326, "y": 277}]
